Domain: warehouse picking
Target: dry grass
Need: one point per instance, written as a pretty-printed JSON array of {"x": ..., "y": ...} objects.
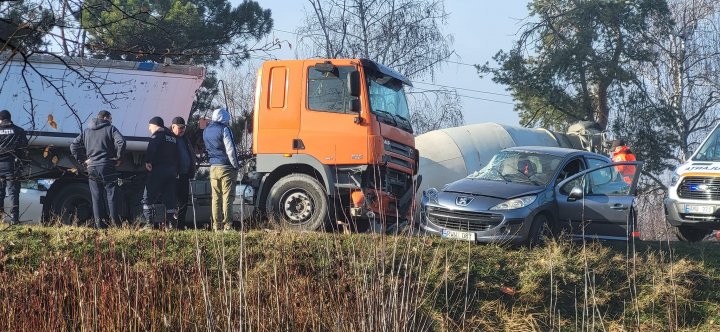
[{"x": 69, "y": 278}]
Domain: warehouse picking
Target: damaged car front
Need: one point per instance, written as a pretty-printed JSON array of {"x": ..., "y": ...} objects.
[{"x": 500, "y": 202}]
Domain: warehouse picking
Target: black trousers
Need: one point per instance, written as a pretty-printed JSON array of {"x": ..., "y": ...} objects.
[
  {"x": 10, "y": 184},
  {"x": 182, "y": 192},
  {"x": 105, "y": 194},
  {"x": 160, "y": 188}
]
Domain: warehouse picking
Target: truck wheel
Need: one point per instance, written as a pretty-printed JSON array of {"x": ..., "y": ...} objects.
[
  {"x": 72, "y": 202},
  {"x": 691, "y": 234},
  {"x": 298, "y": 201}
]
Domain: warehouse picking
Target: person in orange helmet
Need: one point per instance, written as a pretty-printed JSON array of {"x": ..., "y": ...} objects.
[{"x": 620, "y": 153}]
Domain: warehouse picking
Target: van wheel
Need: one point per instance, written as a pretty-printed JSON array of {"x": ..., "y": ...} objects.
[
  {"x": 539, "y": 231},
  {"x": 691, "y": 234},
  {"x": 299, "y": 202},
  {"x": 72, "y": 202}
]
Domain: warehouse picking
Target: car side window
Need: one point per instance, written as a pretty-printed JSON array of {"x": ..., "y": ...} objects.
[
  {"x": 571, "y": 168},
  {"x": 606, "y": 181},
  {"x": 592, "y": 162}
]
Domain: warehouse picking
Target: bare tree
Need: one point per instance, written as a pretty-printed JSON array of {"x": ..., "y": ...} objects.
[
  {"x": 686, "y": 77},
  {"x": 405, "y": 35}
]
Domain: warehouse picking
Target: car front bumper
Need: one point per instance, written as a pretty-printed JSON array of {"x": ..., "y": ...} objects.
[{"x": 513, "y": 228}]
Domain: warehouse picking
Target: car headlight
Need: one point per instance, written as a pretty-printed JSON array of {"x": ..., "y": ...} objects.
[
  {"x": 515, "y": 203},
  {"x": 674, "y": 179},
  {"x": 431, "y": 194}
]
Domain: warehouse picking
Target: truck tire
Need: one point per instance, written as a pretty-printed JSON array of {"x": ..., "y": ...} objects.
[
  {"x": 299, "y": 202},
  {"x": 691, "y": 234},
  {"x": 70, "y": 202}
]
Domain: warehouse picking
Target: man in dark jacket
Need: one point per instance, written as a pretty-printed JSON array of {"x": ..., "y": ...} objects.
[
  {"x": 100, "y": 147},
  {"x": 161, "y": 160},
  {"x": 12, "y": 150},
  {"x": 186, "y": 167},
  {"x": 224, "y": 165}
]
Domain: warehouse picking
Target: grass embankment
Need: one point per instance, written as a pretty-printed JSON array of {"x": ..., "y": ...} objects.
[{"x": 54, "y": 279}]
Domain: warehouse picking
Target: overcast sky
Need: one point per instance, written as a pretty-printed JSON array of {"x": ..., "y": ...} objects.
[{"x": 480, "y": 29}]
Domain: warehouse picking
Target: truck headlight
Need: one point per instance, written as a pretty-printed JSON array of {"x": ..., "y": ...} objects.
[
  {"x": 674, "y": 179},
  {"x": 431, "y": 194},
  {"x": 515, "y": 203}
]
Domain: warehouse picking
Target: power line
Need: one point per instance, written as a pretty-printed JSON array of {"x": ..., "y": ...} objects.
[
  {"x": 471, "y": 97},
  {"x": 464, "y": 89}
]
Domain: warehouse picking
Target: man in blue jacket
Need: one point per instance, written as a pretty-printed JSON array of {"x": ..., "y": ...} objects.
[
  {"x": 100, "y": 147},
  {"x": 223, "y": 158}
]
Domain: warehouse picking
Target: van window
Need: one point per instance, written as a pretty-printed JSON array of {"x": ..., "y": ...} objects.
[{"x": 710, "y": 150}]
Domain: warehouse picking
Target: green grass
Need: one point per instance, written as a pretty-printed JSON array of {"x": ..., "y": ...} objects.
[{"x": 69, "y": 278}]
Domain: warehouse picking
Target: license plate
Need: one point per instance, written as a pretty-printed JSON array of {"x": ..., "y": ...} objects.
[
  {"x": 699, "y": 209},
  {"x": 466, "y": 236}
]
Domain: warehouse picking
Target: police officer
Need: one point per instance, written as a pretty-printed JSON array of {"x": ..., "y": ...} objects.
[
  {"x": 100, "y": 147},
  {"x": 12, "y": 150},
  {"x": 161, "y": 160},
  {"x": 186, "y": 167}
]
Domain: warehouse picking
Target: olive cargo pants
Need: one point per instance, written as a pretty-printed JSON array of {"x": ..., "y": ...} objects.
[{"x": 222, "y": 184}]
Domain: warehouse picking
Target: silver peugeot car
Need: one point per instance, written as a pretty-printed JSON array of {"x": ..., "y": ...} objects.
[{"x": 527, "y": 193}]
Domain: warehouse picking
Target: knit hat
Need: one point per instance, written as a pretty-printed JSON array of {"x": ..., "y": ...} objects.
[
  {"x": 5, "y": 115},
  {"x": 158, "y": 121},
  {"x": 178, "y": 120}
]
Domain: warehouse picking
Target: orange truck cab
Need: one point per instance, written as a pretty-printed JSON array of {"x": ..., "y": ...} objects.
[{"x": 332, "y": 143}]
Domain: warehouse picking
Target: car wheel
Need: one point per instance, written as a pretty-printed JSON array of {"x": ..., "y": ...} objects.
[
  {"x": 691, "y": 234},
  {"x": 539, "y": 231},
  {"x": 299, "y": 202}
]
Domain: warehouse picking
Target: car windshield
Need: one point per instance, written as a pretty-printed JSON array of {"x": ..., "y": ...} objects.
[
  {"x": 387, "y": 100},
  {"x": 519, "y": 167},
  {"x": 710, "y": 150}
]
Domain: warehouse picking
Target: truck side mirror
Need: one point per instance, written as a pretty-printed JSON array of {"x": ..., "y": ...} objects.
[{"x": 354, "y": 84}]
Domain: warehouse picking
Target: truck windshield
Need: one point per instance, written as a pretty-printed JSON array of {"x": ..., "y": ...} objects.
[
  {"x": 710, "y": 150},
  {"x": 519, "y": 167},
  {"x": 387, "y": 101}
]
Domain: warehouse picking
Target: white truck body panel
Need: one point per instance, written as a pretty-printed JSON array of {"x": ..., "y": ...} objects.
[{"x": 73, "y": 90}]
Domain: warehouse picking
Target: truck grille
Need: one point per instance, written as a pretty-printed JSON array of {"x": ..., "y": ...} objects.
[
  {"x": 462, "y": 220},
  {"x": 700, "y": 187},
  {"x": 398, "y": 148}
]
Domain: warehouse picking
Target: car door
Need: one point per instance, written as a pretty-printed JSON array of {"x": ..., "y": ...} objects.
[{"x": 598, "y": 202}]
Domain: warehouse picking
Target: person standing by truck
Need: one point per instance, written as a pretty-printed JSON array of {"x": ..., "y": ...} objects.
[
  {"x": 161, "y": 160},
  {"x": 13, "y": 144},
  {"x": 100, "y": 147},
  {"x": 186, "y": 167},
  {"x": 620, "y": 153},
  {"x": 224, "y": 165}
]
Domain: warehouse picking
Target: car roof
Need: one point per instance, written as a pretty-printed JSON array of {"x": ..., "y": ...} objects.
[{"x": 556, "y": 151}]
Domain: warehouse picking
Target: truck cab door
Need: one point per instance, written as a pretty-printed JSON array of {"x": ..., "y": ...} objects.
[
  {"x": 330, "y": 129},
  {"x": 598, "y": 203}
]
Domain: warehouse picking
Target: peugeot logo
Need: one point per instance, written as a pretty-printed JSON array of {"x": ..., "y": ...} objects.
[{"x": 463, "y": 200}]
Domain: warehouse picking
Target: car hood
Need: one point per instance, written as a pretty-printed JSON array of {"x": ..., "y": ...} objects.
[{"x": 496, "y": 189}]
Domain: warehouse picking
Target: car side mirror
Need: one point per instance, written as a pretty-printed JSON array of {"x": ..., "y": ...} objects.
[{"x": 575, "y": 194}]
